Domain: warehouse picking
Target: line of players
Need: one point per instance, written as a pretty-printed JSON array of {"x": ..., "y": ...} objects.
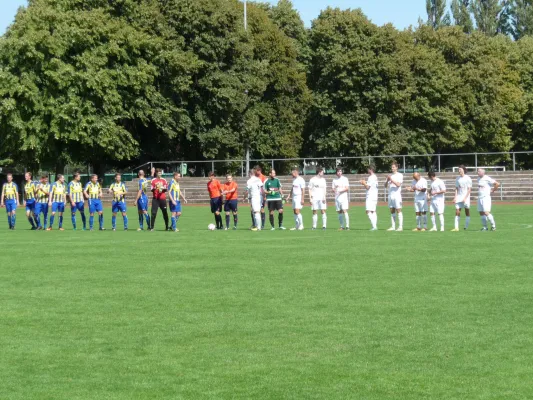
[
  {"x": 261, "y": 191},
  {"x": 40, "y": 197}
]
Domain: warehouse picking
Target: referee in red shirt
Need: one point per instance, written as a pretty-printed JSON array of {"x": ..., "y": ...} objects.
[{"x": 159, "y": 189}]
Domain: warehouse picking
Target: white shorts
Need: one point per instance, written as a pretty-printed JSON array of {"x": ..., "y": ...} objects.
[
  {"x": 256, "y": 205},
  {"x": 462, "y": 204},
  {"x": 318, "y": 205},
  {"x": 371, "y": 205},
  {"x": 421, "y": 206},
  {"x": 395, "y": 202},
  {"x": 437, "y": 206},
  {"x": 484, "y": 204},
  {"x": 297, "y": 203},
  {"x": 342, "y": 203}
]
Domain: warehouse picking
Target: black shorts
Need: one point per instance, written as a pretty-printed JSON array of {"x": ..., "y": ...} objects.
[
  {"x": 275, "y": 205},
  {"x": 216, "y": 204},
  {"x": 231, "y": 205}
]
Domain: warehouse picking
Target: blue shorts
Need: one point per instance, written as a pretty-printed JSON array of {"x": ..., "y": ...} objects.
[
  {"x": 142, "y": 203},
  {"x": 58, "y": 207},
  {"x": 119, "y": 206},
  {"x": 95, "y": 205},
  {"x": 79, "y": 206},
  {"x": 30, "y": 205},
  {"x": 11, "y": 205},
  {"x": 231, "y": 205},
  {"x": 41, "y": 208},
  {"x": 175, "y": 208},
  {"x": 216, "y": 204}
]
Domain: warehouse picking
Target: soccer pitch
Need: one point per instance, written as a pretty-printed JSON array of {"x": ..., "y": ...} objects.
[{"x": 268, "y": 315}]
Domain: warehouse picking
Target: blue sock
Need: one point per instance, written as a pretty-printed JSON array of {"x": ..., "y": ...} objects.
[
  {"x": 61, "y": 221},
  {"x": 35, "y": 220},
  {"x": 91, "y": 221},
  {"x": 38, "y": 221},
  {"x": 83, "y": 220},
  {"x": 45, "y": 222},
  {"x": 141, "y": 221},
  {"x": 13, "y": 220},
  {"x": 147, "y": 217},
  {"x": 173, "y": 219},
  {"x": 125, "y": 222},
  {"x": 52, "y": 218},
  {"x": 114, "y": 221},
  {"x": 73, "y": 218},
  {"x": 101, "y": 221},
  {"x": 9, "y": 221},
  {"x": 30, "y": 218},
  {"x": 227, "y": 221}
]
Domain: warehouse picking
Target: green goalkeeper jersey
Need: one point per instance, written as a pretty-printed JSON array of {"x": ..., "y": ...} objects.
[{"x": 272, "y": 189}]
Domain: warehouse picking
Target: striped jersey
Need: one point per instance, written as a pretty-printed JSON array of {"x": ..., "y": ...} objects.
[
  {"x": 93, "y": 190},
  {"x": 75, "y": 192},
  {"x": 10, "y": 191},
  {"x": 119, "y": 191},
  {"x": 43, "y": 190},
  {"x": 58, "y": 193},
  {"x": 174, "y": 190},
  {"x": 144, "y": 185},
  {"x": 30, "y": 190}
]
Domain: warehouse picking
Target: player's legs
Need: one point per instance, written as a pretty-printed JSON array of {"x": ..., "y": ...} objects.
[
  {"x": 73, "y": 217},
  {"x": 53, "y": 216},
  {"x": 315, "y": 218},
  {"x": 324, "y": 218},
  {"x": 114, "y": 210},
  {"x": 81, "y": 208},
  {"x": 30, "y": 211},
  {"x": 263, "y": 216},
  {"x": 227, "y": 213},
  {"x": 392, "y": 218},
  {"x": 61, "y": 210},
  {"x": 467, "y": 216},
  {"x": 155, "y": 207},
  {"x": 164, "y": 209}
]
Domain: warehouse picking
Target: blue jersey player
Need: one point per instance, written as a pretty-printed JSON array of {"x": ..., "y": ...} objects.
[
  {"x": 174, "y": 194},
  {"x": 93, "y": 193},
  {"x": 142, "y": 201},
  {"x": 41, "y": 205},
  {"x": 118, "y": 190},
  {"x": 30, "y": 189},
  {"x": 76, "y": 199},
  {"x": 10, "y": 200},
  {"x": 57, "y": 200}
]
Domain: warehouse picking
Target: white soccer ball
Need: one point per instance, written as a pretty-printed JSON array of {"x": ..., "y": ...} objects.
[{"x": 211, "y": 227}]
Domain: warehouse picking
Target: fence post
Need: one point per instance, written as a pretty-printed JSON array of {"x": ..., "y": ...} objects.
[
  {"x": 213, "y": 166},
  {"x": 514, "y": 162},
  {"x": 272, "y": 163},
  {"x": 403, "y": 164},
  {"x": 304, "y": 167},
  {"x": 242, "y": 169},
  {"x": 501, "y": 192},
  {"x": 439, "y": 162},
  {"x": 476, "y": 159}
]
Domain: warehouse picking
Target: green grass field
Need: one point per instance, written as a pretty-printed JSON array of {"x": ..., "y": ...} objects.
[{"x": 268, "y": 315}]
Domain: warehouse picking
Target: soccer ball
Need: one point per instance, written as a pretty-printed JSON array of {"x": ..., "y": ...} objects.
[{"x": 211, "y": 227}]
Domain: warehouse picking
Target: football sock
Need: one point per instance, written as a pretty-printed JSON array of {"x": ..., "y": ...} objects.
[
  {"x": 280, "y": 219},
  {"x": 91, "y": 221},
  {"x": 441, "y": 219},
  {"x": 61, "y": 221},
  {"x": 425, "y": 221},
  {"x": 347, "y": 220},
  {"x": 235, "y": 220},
  {"x": 467, "y": 222},
  {"x": 263, "y": 219},
  {"x": 141, "y": 221},
  {"x": 296, "y": 220},
  {"x": 315, "y": 220},
  {"x": 400, "y": 220},
  {"x": 9, "y": 221},
  {"x": 125, "y": 219},
  {"x": 114, "y": 221},
  {"x": 152, "y": 220},
  {"x": 13, "y": 220},
  {"x": 324, "y": 220},
  {"x": 73, "y": 219},
  {"x": 374, "y": 220},
  {"x": 147, "y": 218},
  {"x": 300, "y": 221},
  {"x": 84, "y": 220},
  {"x": 257, "y": 220},
  {"x": 393, "y": 221},
  {"x": 173, "y": 221},
  {"x": 30, "y": 219},
  {"x": 433, "y": 221},
  {"x": 101, "y": 221},
  {"x": 418, "y": 218},
  {"x": 341, "y": 220},
  {"x": 35, "y": 218},
  {"x": 253, "y": 218},
  {"x": 484, "y": 221},
  {"x": 491, "y": 220},
  {"x": 38, "y": 221},
  {"x": 227, "y": 221},
  {"x": 271, "y": 219},
  {"x": 165, "y": 217},
  {"x": 52, "y": 218},
  {"x": 457, "y": 221}
]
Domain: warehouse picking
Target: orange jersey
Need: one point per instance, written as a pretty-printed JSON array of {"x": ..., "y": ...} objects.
[
  {"x": 263, "y": 178},
  {"x": 214, "y": 188},
  {"x": 230, "y": 186}
]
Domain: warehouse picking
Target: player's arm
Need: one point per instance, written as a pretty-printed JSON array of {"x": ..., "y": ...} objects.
[
  {"x": 2, "y": 197},
  {"x": 183, "y": 197},
  {"x": 496, "y": 186},
  {"x": 17, "y": 194},
  {"x": 303, "y": 193},
  {"x": 365, "y": 184},
  {"x": 386, "y": 184},
  {"x": 171, "y": 197},
  {"x": 51, "y": 194},
  {"x": 395, "y": 183},
  {"x": 85, "y": 191}
]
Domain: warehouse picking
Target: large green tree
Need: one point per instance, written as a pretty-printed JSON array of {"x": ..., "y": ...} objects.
[
  {"x": 437, "y": 15},
  {"x": 521, "y": 15},
  {"x": 491, "y": 16},
  {"x": 461, "y": 15}
]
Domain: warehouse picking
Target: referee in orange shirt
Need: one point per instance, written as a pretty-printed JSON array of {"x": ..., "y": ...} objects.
[{"x": 215, "y": 194}]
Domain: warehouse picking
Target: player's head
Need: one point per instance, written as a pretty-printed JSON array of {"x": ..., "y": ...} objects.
[
  {"x": 177, "y": 176},
  {"x": 272, "y": 173},
  {"x": 211, "y": 175},
  {"x": 295, "y": 172},
  {"x": 371, "y": 170},
  {"x": 481, "y": 172},
  {"x": 338, "y": 172},
  {"x": 416, "y": 176},
  {"x": 60, "y": 178},
  {"x": 44, "y": 178},
  {"x": 257, "y": 171},
  {"x": 94, "y": 178},
  {"x": 394, "y": 167},
  {"x": 140, "y": 174},
  {"x": 158, "y": 172},
  {"x": 320, "y": 171},
  {"x": 432, "y": 175},
  {"x": 9, "y": 177},
  {"x": 28, "y": 176},
  {"x": 229, "y": 178},
  {"x": 76, "y": 176},
  {"x": 462, "y": 170},
  {"x": 118, "y": 177},
  {"x": 251, "y": 173}
]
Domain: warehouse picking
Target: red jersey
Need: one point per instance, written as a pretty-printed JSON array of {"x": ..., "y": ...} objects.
[
  {"x": 159, "y": 188},
  {"x": 230, "y": 186},
  {"x": 214, "y": 188}
]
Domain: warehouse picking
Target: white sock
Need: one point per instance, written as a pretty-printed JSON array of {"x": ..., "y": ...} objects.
[
  {"x": 393, "y": 221},
  {"x": 371, "y": 218},
  {"x": 467, "y": 222},
  {"x": 324, "y": 220},
  {"x": 300, "y": 221},
  {"x": 441, "y": 219},
  {"x": 418, "y": 218},
  {"x": 433, "y": 221},
  {"x": 341, "y": 219},
  {"x": 374, "y": 220},
  {"x": 491, "y": 220},
  {"x": 425, "y": 220},
  {"x": 400, "y": 220},
  {"x": 347, "y": 220},
  {"x": 296, "y": 221},
  {"x": 457, "y": 221},
  {"x": 257, "y": 217},
  {"x": 484, "y": 221},
  {"x": 315, "y": 220}
]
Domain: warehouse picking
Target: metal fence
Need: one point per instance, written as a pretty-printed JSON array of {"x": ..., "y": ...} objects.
[{"x": 510, "y": 161}]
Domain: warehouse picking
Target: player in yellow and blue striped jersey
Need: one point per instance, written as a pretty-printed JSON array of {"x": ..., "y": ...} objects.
[
  {"x": 142, "y": 201},
  {"x": 93, "y": 192},
  {"x": 41, "y": 206},
  {"x": 119, "y": 191},
  {"x": 77, "y": 201},
  {"x": 57, "y": 200},
  {"x": 10, "y": 200},
  {"x": 174, "y": 194},
  {"x": 30, "y": 188}
]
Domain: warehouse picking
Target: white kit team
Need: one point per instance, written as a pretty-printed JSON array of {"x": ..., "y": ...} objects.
[{"x": 429, "y": 197}]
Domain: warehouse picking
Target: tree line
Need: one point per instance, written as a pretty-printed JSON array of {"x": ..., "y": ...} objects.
[{"x": 112, "y": 84}]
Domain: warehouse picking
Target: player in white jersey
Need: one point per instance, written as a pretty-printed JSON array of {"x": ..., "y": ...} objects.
[
  {"x": 463, "y": 189},
  {"x": 317, "y": 197},
  {"x": 438, "y": 189},
  {"x": 419, "y": 186},
  {"x": 297, "y": 194},
  {"x": 341, "y": 187},
  {"x": 371, "y": 186},
  {"x": 254, "y": 187},
  {"x": 394, "y": 184},
  {"x": 486, "y": 186}
]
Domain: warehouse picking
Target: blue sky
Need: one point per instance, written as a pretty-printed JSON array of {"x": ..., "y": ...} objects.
[{"x": 400, "y": 13}]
